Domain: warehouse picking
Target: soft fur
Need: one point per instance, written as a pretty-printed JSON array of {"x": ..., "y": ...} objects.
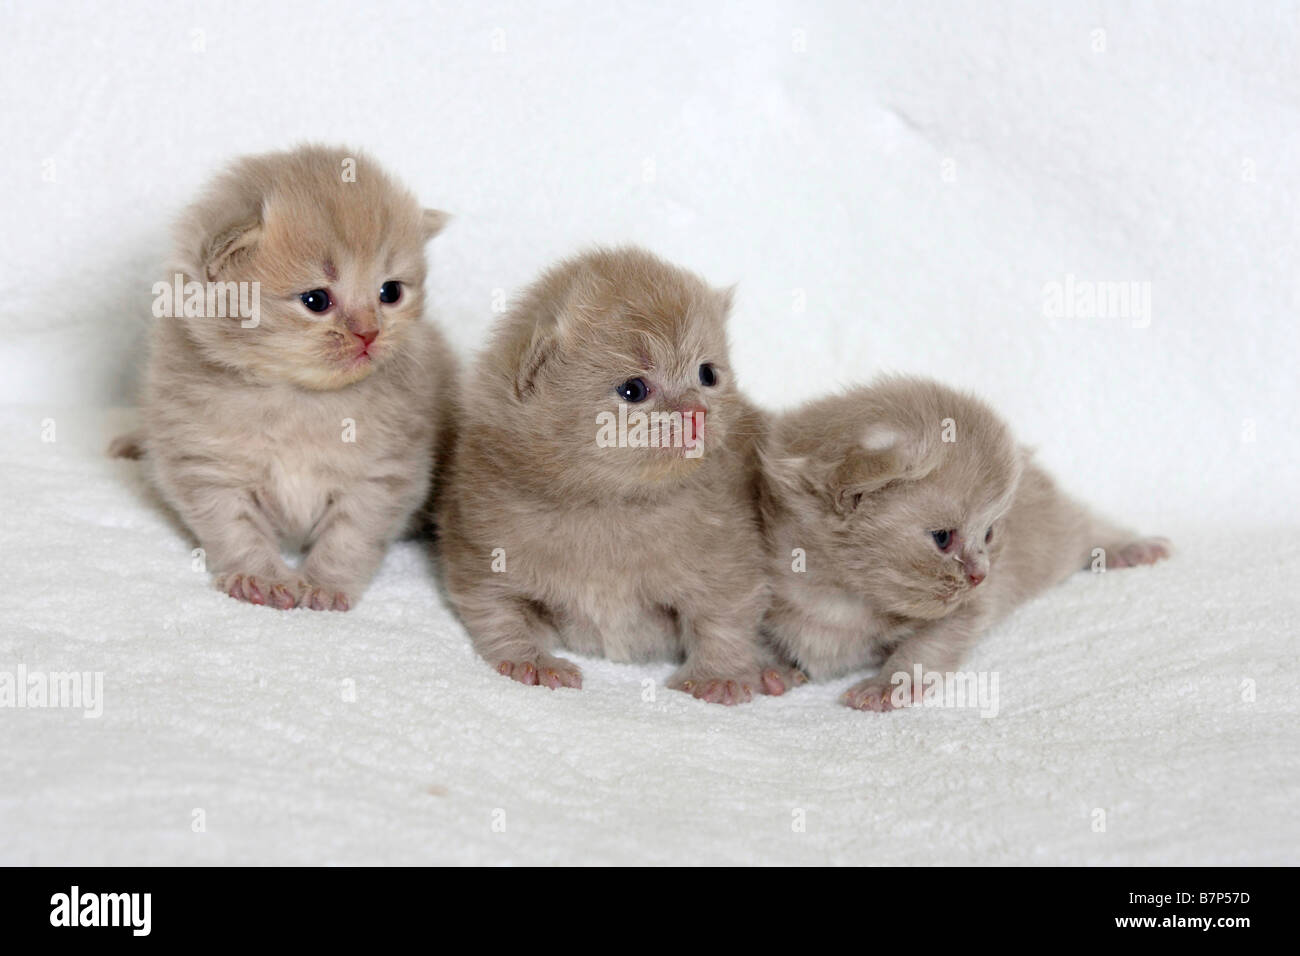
[
  {"x": 859, "y": 482},
  {"x": 244, "y": 428},
  {"x": 630, "y": 553}
]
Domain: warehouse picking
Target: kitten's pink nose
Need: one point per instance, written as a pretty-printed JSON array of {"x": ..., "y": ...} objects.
[
  {"x": 693, "y": 423},
  {"x": 974, "y": 577},
  {"x": 364, "y": 326}
]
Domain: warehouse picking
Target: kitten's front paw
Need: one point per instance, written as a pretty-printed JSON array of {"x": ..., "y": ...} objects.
[
  {"x": 260, "y": 590},
  {"x": 325, "y": 599},
  {"x": 714, "y": 689},
  {"x": 1141, "y": 551},
  {"x": 777, "y": 679},
  {"x": 544, "y": 671},
  {"x": 878, "y": 694}
]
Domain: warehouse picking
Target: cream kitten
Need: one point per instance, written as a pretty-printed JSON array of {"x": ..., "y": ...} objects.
[
  {"x": 550, "y": 538},
  {"x": 921, "y": 522},
  {"x": 315, "y": 424}
]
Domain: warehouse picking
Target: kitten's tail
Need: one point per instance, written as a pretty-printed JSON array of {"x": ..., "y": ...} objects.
[{"x": 130, "y": 445}]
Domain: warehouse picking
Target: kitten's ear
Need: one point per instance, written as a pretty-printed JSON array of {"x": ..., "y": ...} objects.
[
  {"x": 231, "y": 248},
  {"x": 433, "y": 221},
  {"x": 787, "y": 474},
  {"x": 534, "y": 356},
  {"x": 804, "y": 481},
  {"x": 884, "y": 455},
  {"x": 726, "y": 298}
]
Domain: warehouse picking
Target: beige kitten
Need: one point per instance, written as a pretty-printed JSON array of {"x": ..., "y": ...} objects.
[
  {"x": 315, "y": 424},
  {"x": 921, "y": 522},
  {"x": 634, "y": 553}
]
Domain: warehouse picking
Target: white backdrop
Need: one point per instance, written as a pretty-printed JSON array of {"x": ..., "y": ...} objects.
[{"x": 893, "y": 186}]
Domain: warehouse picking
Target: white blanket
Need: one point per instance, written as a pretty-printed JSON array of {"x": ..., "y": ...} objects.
[{"x": 1143, "y": 716}]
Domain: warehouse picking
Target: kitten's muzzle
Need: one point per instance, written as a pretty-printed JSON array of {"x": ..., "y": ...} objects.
[
  {"x": 975, "y": 565},
  {"x": 693, "y": 416},
  {"x": 364, "y": 328}
]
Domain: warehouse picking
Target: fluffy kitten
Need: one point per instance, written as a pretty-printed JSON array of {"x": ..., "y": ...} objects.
[
  {"x": 913, "y": 544},
  {"x": 316, "y": 426},
  {"x": 634, "y": 553}
]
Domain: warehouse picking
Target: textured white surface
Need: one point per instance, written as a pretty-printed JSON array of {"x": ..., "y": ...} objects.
[
  {"x": 915, "y": 175},
  {"x": 1120, "y": 692}
]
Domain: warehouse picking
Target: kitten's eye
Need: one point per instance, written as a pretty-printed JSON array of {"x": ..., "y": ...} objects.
[
  {"x": 633, "y": 390},
  {"x": 988, "y": 536},
  {"x": 317, "y": 300},
  {"x": 942, "y": 538},
  {"x": 390, "y": 291},
  {"x": 708, "y": 375}
]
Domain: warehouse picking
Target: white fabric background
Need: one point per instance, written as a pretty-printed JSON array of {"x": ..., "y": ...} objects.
[{"x": 891, "y": 185}]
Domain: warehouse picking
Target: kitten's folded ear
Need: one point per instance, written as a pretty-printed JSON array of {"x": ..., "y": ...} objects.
[
  {"x": 531, "y": 360},
  {"x": 231, "y": 247},
  {"x": 834, "y": 481},
  {"x": 883, "y": 456},
  {"x": 726, "y": 298},
  {"x": 788, "y": 475},
  {"x": 434, "y": 221},
  {"x": 561, "y": 325}
]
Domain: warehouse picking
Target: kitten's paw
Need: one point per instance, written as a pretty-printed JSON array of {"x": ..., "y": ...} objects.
[
  {"x": 544, "y": 671},
  {"x": 714, "y": 689},
  {"x": 1141, "y": 551},
  {"x": 325, "y": 599},
  {"x": 877, "y": 694},
  {"x": 259, "y": 590},
  {"x": 777, "y": 679}
]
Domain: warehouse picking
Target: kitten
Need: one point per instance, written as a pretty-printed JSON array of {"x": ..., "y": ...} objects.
[
  {"x": 314, "y": 424},
  {"x": 921, "y": 522},
  {"x": 551, "y": 537}
]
